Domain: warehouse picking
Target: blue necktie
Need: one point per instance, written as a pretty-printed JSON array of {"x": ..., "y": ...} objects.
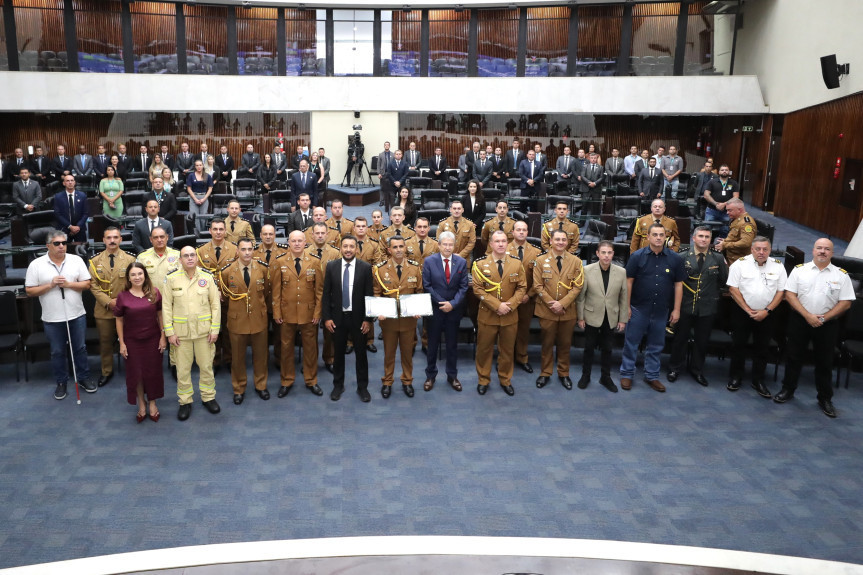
[{"x": 346, "y": 287}]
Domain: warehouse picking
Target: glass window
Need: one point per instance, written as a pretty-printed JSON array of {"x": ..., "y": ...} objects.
[
  {"x": 353, "y": 49},
  {"x": 256, "y": 42},
  {"x": 4, "y": 60},
  {"x": 100, "y": 35},
  {"x": 154, "y": 37},
  {"x": 400, "y": 42},
  {"x": 41, "y": 35},
  {"x": 599, "y": 29},
  {"x": 547, "y": 41},
  {"x": 497, "y": 42},
  {"x": 305, "y": 35},
  {"x": 654, "y": 37},
  {"x": 206, "y": 39},
  {"x": 708, "y": 42},
  {"x": 448, "y": 40}
]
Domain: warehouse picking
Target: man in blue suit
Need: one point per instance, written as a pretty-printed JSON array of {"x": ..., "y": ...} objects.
[
  {"x": 71, "y": 216},
  {"x": 101, "y": 161},
  {"x": 532, "y": 174},
  {"x": 304, "y": 182},
  {"x": 397, "y": 175},
  {"x": 445, "y": 277},
  {"x": 82, "y": 164}
]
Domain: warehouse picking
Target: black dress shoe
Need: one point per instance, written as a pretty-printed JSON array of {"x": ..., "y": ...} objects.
[
  {"x": 608, "y": 383},
  {"x": 263, "y": 394},
  {"x": 409, "y": 390},
  {"x": 184, "y": 412},
  {"x": 328, "y": 367},
  {"x": 336, "y": 393},
  {"x": 734, "y": 384},
  {"x": 783, "y": 395},
  {"x": 541, "y": 381},
  {"x": 283, "y": 391},
  {"x": 212, "y": 406},
  {"x": 761, "y": 389},
  {"x": 566, "y": 382},
  {"x": 386, "y": 390},
  {"x": 238, "y": 398},
  {"x": 508, "y": 389},
  {"x": 672, "y": 376},
  {"x": 316, "y": 389},
  {"x": 699, "y": 378},
  {"x": 481, "y": 389},
  {"x": 525, "y": 366},
  {"x": 425, "y": 350},
  {"x": 827, "y": 407},
  {"x": 105, "y": 379},
  {"x": 371, "y": 348},
  {"x": 349, "y": 349},
  {"x": 584, "y": 381},
  {"x": 364, "y": 395}
]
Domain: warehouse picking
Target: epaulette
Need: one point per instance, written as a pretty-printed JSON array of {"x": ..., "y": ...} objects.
[
  {"x": 382, "y": 229},
  {"x": 572, "y": 220},
  {"x": 179, "y": 270},
  {"x": 262, "y": 262},
  {"x": 413, "y": 263},
  {"x": 542, "y": 253},
  {"x": 129, "y": 254},
  {"x": 746, "y": 219},
  {"x": 799, "y": 266},
  {"x": 310, "y": 255},
  {"x": 683, "y": 250},
  {"x": 488, "y": 219},
  {"x": 226, "y": 266},
  {"x": 284, "y": 246},
  {"x": 515, "y": 257},
  {"x": 779, "y": 262},
  {"x": 332, "y": 228},
  {"x": 480, "y": 258},
  {"x": 840, "y": 269},
  {"x": 348, "y": 219},
  {"x": 408, "y": 227},
  {"x": 282, "y": 255},
  {"x": 368, "y": 239},
  {"x": 382, "y": 264},
  {"x": 205, "y": 270}
]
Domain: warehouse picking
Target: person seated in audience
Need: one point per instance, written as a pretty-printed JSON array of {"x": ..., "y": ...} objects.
[
  {"x": 167, "y": 200},
  {"x": 110, "y": 190},
  {"x": 267, "y": 174},
  {"x": 156, "y": 167},
  {"x": 26, "y": 193}
]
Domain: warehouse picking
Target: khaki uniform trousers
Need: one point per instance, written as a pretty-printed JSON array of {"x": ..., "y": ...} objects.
[
  {"x": 239, "y": 344},
  {"x": 195, "y": 351},
  {"x": 486, "y": 338},
  {"x": 399, "y": 333},
  {"x": 556, "y": 334},
  {"x": 309, "y": 335},
  {"x": 107, "y": 329},
  {"x": 525, "y": 314}
]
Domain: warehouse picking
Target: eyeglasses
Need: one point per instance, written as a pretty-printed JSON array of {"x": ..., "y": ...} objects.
[{"x": 59, "y": 243}]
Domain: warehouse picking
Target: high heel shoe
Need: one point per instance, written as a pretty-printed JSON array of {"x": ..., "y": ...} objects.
[
  {"x": 155, "y": 418},
  {"x": 140, "y": 417}
]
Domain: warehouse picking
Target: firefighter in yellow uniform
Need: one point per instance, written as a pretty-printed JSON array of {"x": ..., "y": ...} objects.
[
  {"x": 557, "y": 278},
  {"x": 656, "y": 216},
  {"x": 190, "y": 314},
  {"x": 561, "y": 222},
  {"x": 108, "y": 270},
  {"x": 235, "y": 226}
]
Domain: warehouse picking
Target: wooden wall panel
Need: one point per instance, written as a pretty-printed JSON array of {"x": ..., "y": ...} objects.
[
  {"x": 547, "y": 32},
  {"x": 39, "y": 25},
  {"x": 256, "y": 31},
  {"x": 448, "y": 33},
  {"x": 805, "y": 189},
  {"x": 599, "y": 30},
  {"x": 98, "y": 26},
  {"x": 154, "y": 28},
  {"x": 206, "y": 30},
  {"x": 497, "y": 33},
  {"x": 301, "y": 30}
]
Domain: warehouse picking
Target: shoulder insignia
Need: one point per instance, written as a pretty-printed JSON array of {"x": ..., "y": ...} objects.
[
  {"x": 779, "y": 262},
  {"x": 747, "y": 229},
  {"x": 383, "y": 228},
  {"x": 175, "y": 272},
  {"x": 284, "y": 246},
  {"x": 368, "y": 239},
  {"x": 799, "y": 266},
  {"x": 413, "y": 263},
  {"x": 310, "y": 255},
  {"x": 542, "y": 253},
  {"x": 204, "y": 270},
  {"x": 281, "y": 255},
  {"x": 683, "y": 251},
  {"x": 572, "y": 220},
  {"x": 128, "y": 253},
  {"x": 488, "y": 219},
  {"x": 382, "y": 264},
  {"x": 840, "y": 269},
  {"x": 262, "y": 262},
  {"x": 515, "y": 257},
  {"x": 480, "y": 258},
  {"x": 223, "y": 268},
  {"x": 746, "y": 219}
]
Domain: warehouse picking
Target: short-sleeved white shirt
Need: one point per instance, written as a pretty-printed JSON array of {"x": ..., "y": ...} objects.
[
  {"x": 757, "y": 284},
  {"x": 54, "y": 308},
  {"x": 820, "y": 290}
]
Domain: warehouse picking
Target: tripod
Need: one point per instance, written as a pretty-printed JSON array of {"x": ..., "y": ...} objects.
[{"x": 359, "y": 178}]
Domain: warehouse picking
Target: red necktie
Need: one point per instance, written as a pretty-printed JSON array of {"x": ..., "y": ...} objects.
[{"x": 446, "y": 269}]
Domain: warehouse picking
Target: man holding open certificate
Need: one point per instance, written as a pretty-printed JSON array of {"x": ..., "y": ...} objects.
[{"x": 396, "y": 277}]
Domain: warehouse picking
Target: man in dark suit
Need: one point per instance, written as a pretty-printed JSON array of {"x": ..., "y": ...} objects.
[
  {"x": 249, "y": 164},
  {"x": 101, "y": 161},
  {"x": 202, "y": 155},
  {"x": 325, "y": 164},
  {"x": 4, "y": 171},
  {"x": 224, "y": 166},
  {"x": 482, "y": 170},
  {"x": 70, "y": 211},
  {"x": 497, "y": 166},
  {"x": 297, "y": 158},
  {"x": 82, "y": 164},
  {"x": 185, "y": 162},
  {"x": 397, "y": 174},
  {"x": 26, "y": 193},
  {"x": 167, "y": 201},
  {"x": 471, "y": 157},
  {"x": 347, "y": 283},
  {"x": 168, "y": 159},
  {"x": 385, "y": 158},
  {"x": 614, "y": 168},
  {"x": 304, "y": 182},
  {"x": 445, "y": 277},
  {"x": 301, "y": 218},
  {"x": 649, "y": 180},
  {"x": 438, "y": 165},
  {"x": 40, "y": 167},
  {"x": 512, "y": 160},
  {"x": 125, "y": 164},
  {"x": 15, "y": 165},
  {"x": 413, "y": 157},
  {"x": 280, "y": 162},
  {"x": 539, "y": 157},
  {"x": 61, "y": 165},
  {"x": 143, "y": 160},
  {"x": 592, "y": 177},
  {"x": 531, "y": 174},
  {"x": 566, "y": 166},
  {"x": 144, "y": 227}
]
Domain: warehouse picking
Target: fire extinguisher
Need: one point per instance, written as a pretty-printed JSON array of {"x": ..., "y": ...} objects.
[
  {"x": 281, "y": 142},
  {"x": 698, "y": 143},
  {"x": 836, "y": 168},
  {"x": 708, "y": 150}
]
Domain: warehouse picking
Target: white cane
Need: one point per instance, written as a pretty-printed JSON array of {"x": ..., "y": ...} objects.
[{"x": 71, "y": 350}]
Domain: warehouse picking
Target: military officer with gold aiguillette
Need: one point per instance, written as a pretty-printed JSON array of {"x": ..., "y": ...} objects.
[
  {"x": 557, "y": 278},
  {"x": 213, "y": 256},
  {"x": 656, "y": 216},
  {"x": 108, "y": 270},
  {"x": 561, "y": 221},
  {"x": 246, "y": 288},
  {"x": 394, "y": 278},
  {"x": 500, "y": 284}
]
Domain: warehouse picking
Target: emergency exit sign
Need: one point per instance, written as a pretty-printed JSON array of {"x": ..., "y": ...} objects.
[{"x": 747, "y": 129}]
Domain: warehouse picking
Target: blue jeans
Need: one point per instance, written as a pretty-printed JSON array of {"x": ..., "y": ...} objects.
[
  {"x": 713, "y": 215},
  {"x": 56, "y": 334},
  {"x": 651, "y": 321}
]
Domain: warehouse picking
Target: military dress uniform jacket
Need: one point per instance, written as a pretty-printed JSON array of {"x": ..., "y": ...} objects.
[
  {"x": 242, "y": 229},
  {"x": 492, "y": 225},
  {"x": 158, "y": 267},
  {"x": 531, "y": 253},
  {"x": 344, "y": 226},
  {"x": 571, "y": 229},
  {"x": 412, "y": 249},
  {"x": 562, "y": 286},
  {"x": 328, "y": 254},
  {"x": 738, "y": 243},
  {"x": 107, "y": 281},
  {"x": 333, "y": 238},
  {"x": 404, "y": 231},
  {"x": 465, "y": 237},
  {"x": 492, "y": 289},
  {"x": 275, "y": 251},
  {"x": 701, "y": 291},
  {"x": 207, "y": 256},
  {"x": 297, "y": 296},
  {"x": 642, "y": 226},
  {"x": 190, "y": 306},
  {"x": 375, "y": 233},
  {"x": 387, "y": 284},
  {"x": 247, "y": 306}
]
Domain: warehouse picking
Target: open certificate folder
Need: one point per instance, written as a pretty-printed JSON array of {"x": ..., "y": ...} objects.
[
  {"x": 382, "y": 306},
  {"x": 415, "y": 304}
]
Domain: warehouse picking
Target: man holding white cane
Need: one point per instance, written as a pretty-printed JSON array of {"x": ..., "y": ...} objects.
[{"x": 58, "y": 279}]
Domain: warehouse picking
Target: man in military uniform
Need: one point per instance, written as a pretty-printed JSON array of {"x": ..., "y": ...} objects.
[
  {"x": 528, "y": 253},
  {"x": 397, "y": 227},
  {"x": 297, "y": 280},
  {"x": 740, "y": 233},
  {"x": 377, "y": 225},
  {"x": 418, "y": 248},
  {"x": 500, "y": 222},
  {"x": 500, "y": 284},
  {"x": 464, "y": 230},
  {"x": 656, "y": 216},
  {"x": 344, "y": 226},
  {"x": 561, "y": 222},
  {"x": 108, "y": 271},
  {"x": 367, "y": 251},
  {"x": 757, "y": 285},
  {"x": 331, "y": 238},
  {"x": 236, "y": 227},
  {"x": 325, "y": 253},
  {"x": 213, "y": 256},
  {"x": 557, "y": 278},
  {"x": 819, "y": 293},
  {"x": 245, "y": 285},
  {"x": 267, "y": 251},
  {"x": 394, "y": 278},
  {"x": 160, "y": 260},
  {"x": 706, "y": 274},
  {"x": 190, "y": 316}
]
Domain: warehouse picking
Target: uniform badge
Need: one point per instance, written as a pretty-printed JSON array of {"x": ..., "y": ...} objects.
[
  {"x": 202, "y": 282},
  {"x": 172, "y": 259},
  {"x": 747, "y": 229}
]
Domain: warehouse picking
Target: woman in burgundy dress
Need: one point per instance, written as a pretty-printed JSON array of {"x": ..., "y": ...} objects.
[{"x": 142, "y": 341}]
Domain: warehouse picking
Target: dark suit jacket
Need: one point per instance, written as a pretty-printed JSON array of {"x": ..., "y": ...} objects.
[
  {"x": 125, "y": 165},
  {"x": 418, "y": 158},
  {"x": 224, "y": 166},
  {"x": 510, "y": 166},
  {"x": 295, "y": 222},
  {"x": 44, "y": 171},
  {"x": 31, "y": 196},
  {"x": 477, "y": 216},
  {"x": 470, "y": 159},
  {"x": 185, "y": 164},
  {"x": 296, "y": 159},
  {"x": 434, "y": 168},
  {"x": 496, "y": 167},
  {"x": 139, "y": 166},
  {"x": 168, "y": 205},
  {"x": 5, "y": 174},
  {"x": 434, "y": 283},
  {"x": 640, "y": 165},
  {"x": 99, "y": 166},
  {"x": 543, "y": 161},
  {"x": 310, "y": 188},
  {"x": 61, "y": 214},
  {"x": 482, "y": 173},
  {"x": 267, "y": 175},
  {"x": 250, "y": 161},
  {"x": 141, "y": 233},
  {"x": 331, "y": 303},
  {"x": 398, "y": 174},
  {"x": 589, "y": 174},
  {"x": 524, "y": 174},
  {"x": 58, "y": 167},
  {"x": 13, "y": 168},
  {"x": 82, "y": 165},
  {"x": 649, "y": 187},
  {"x": 170, "y": 161}
]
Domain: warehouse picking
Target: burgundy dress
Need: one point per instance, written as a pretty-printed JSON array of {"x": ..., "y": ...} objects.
[{"x": 141, "y": 334}]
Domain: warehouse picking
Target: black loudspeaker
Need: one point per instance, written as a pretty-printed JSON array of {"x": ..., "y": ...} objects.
[
  {"x": 831, "y": 71},
  {"x": 357, "y": 114}
]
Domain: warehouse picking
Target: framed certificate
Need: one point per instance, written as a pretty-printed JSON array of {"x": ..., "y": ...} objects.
[
  {"x": 415, "y": 304},
  {"x": 382, "y": 306}
]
